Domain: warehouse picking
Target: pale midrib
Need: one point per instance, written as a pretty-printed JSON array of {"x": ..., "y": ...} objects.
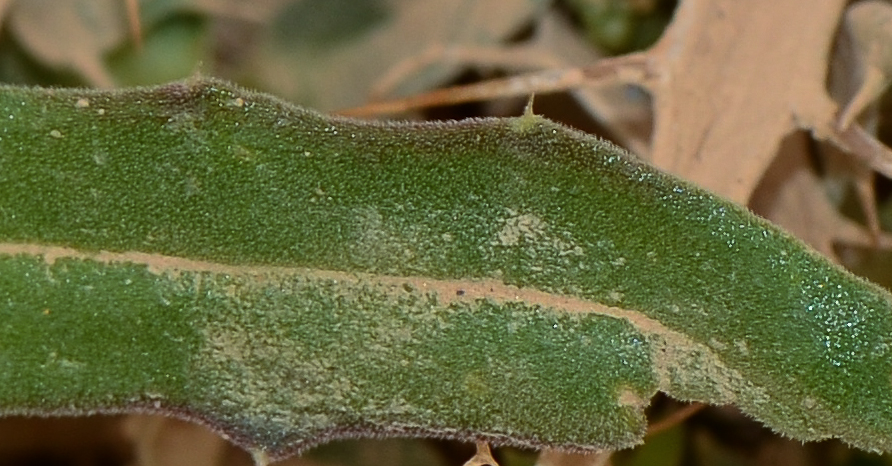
[{"x": 447, "y": 291}]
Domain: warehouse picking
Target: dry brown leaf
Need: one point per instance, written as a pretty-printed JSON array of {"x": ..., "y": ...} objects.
[
  {"x": 733, "y": 80},
  {"x": 794, "y": 197},
  {"x": 862, "y": 64},
  {"x": 71, "y": 34},
  {"x": 342, "y": 73},
  {"x": 76, "y": 35},
  {"x": 860, "y": 72}
]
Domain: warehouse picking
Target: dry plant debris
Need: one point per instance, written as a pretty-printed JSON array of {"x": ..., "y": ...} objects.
[{"x": 733, "y": 84}]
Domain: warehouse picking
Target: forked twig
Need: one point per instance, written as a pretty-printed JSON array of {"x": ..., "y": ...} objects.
[
  {"x": 631, "y": 68},
  {"x": 519, "y": 57}
]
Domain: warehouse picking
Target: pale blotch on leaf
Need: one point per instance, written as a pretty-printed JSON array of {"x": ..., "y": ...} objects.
[{"x": 529, "y": 229}]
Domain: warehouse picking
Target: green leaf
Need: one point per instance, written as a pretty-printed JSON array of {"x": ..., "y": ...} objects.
[{"x": 204, "y": 251}]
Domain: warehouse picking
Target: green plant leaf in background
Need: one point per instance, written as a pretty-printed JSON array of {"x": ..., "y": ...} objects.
[{"x": 204, "y": 251}]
